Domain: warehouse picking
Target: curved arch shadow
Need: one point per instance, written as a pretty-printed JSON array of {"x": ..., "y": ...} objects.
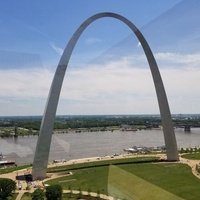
[{"x": 46, "y": 129}]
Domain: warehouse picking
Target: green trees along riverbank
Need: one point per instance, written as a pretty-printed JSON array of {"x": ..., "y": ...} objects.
[{"x": 16, "y": 126}]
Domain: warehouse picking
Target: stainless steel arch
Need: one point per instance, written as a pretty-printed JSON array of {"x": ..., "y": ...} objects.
[{"x": 44, "y": 140}]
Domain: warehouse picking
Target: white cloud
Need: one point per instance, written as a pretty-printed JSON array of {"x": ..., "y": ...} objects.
[
  {"x": 57, "y": 49},
  {"x": 115, "y": 87},
  {"x": 183, "y": 60},
  {"x": 25, "y": 83},
  {"x": 139, "y": 44}
]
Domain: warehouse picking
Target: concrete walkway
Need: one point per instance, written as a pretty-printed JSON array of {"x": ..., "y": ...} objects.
[
  {"x": 19, "y": 196},
  {"x": 192, "y": 164},
  {"x": 93, "y": 194}
]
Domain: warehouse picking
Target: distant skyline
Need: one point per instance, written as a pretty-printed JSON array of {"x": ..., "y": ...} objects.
[{"x": 108, "y": 72}]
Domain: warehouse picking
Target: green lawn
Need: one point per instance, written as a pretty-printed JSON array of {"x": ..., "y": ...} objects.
[
  {"x": 175, "y": 178},
  {"x": 171, "y": 178},
  {"x": 13, "y": 168},
  {"x": 103, "y": 163},
  {"x": 94, "y": 179},
  {"x": 13, "y": 197},
  {"x": 125, "y": 185},
  {"x": 192, "y": 156}
]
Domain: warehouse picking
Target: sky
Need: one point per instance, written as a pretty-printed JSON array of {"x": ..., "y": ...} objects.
[{"x": 108, "y": 72}]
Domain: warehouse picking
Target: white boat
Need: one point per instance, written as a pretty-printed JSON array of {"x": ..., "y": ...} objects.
[
  {"x": 131, "y": 150},
  {"x": 136, "y": 149},
  {"x": 5, "y": 162}
]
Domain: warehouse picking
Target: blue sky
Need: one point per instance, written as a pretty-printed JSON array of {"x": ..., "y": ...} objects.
[
  {"x": 108, "y": 73},
  {"x": 37, "y": 27}
]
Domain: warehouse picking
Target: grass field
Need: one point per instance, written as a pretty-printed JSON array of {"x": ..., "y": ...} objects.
[
  {"x": 13, "y": 197},
  {"x": 168, "y": 178},
  {"x": 192, "y": 156},
  {"x": 26, "y": 196},
  {"x": 93, "y": 179},
  {"x": 13, "y": 168},
  {"x": 125, "y": 185},
  {"x": 103, "y": 163},
  {"x": 174, "y": 178}
]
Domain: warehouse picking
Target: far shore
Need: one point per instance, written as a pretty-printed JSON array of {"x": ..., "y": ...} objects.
[{"x": 11, "y": 131}]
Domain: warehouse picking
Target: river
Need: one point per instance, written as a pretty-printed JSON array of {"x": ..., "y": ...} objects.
[{"x": 88, "y": 144}]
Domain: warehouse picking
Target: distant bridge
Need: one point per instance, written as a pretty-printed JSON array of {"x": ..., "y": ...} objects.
[{"x": 186, "y": 127}]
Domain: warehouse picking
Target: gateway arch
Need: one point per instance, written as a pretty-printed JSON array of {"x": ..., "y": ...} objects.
[{"x": 43, "y": 144}]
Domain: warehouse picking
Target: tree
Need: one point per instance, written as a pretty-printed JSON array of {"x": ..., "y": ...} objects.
[
  {"x": 182, "y": 150},
  {"x": 6, "y": 187},
  {"x": 38, "y": 194},
  {"x": 54, "y": 192}
]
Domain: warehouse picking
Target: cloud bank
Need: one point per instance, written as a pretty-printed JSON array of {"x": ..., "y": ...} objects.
[{"x": 123, "y": 86}]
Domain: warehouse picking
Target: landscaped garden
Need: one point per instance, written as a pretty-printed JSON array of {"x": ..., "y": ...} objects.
[
  {"x": 173, "y": 178},
  {"x": 127, "y": 178}
]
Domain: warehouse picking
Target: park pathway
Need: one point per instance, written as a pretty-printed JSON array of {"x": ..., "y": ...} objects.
[
  {"x": 93, "y": 194},
  {"x": 19, "y": 196},
  {"x": 192, "y": 164}
]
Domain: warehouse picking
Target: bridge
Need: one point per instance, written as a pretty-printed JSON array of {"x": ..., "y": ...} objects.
[{"x": 187, "y": 127}]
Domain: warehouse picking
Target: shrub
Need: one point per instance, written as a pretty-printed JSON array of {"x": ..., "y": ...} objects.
[
  {"x": 6, "y": 187},
  {"x": 38, "y": 194},
  {"x": 54, "y": 192}
]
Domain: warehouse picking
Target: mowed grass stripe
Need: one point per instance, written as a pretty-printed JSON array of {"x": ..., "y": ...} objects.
[
  {"x": 125, "y": 185},
  {"x": 192, "y": 156},
  {"x": 175, "y": 178},
  {"x": 103, "y": 163}
]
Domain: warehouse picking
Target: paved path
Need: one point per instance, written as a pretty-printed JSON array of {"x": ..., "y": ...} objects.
[
  {"x": 192, "y": 164},
  {"x": 19, "y": 196},
  {"x": 93, "y": 194}
]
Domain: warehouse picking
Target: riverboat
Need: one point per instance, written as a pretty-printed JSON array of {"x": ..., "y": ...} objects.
[{"x": 5, "y": 162}]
